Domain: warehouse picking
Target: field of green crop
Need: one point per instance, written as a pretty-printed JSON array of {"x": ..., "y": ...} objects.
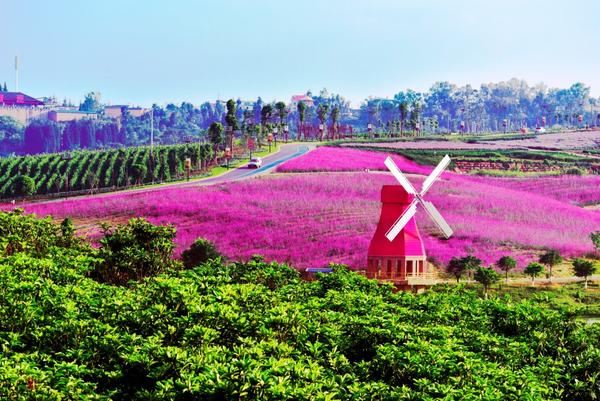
[{"x": 86, "y": 170}]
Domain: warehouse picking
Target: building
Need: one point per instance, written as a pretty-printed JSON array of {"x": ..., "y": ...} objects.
[
  {"x": 64, "y": 115},
  {"x": 21, "y": 107},
  {"x": 402, "y": 261},
  {"x": 116, "y": 111},
  {"x": 18, "y": 99},
  {"x": 301, "y": 98}
]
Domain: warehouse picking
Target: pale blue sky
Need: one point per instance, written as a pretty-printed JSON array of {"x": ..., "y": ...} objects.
[{"x": 141, "y": 52}]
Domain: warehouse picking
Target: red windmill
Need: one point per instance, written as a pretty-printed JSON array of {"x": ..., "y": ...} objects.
[{"x": 396, "y": 251}]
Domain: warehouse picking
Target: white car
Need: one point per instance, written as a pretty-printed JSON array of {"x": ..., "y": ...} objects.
[
  {"x": 255, "y": 162},
  {"x": 540, "y": 130}
]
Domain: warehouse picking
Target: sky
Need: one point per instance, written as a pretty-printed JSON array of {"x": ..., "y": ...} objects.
[{"x": 158, "y": 51}]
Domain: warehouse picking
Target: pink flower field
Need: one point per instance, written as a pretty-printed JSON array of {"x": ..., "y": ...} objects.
[
  {"x": 578, "y": 190},
  {"x": 343, "y": 159},
  {"x": 551, "y": 141},
  {"x": 313, "y": 219}
]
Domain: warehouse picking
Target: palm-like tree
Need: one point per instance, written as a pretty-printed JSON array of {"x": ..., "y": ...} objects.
[
  {"x": 322, "y": 111},
  {"x": 301, "y": 114}
]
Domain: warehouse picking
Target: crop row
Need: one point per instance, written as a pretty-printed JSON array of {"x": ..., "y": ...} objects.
[{"x": 89, "y": 170}]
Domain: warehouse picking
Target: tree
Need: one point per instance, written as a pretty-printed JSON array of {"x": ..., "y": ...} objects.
[
  {"x": 584, "y": 268},
  {"x": 506, "y": 263},
  {"x": 138, "y": 172},
  {"x": 322, "y": 111},
  {"x": 456, "y": 268},
  {"x": 133, "y": 251},
  {"x": 595, "y": 237},
  {"x": 10, "y": 129},
  {"x": 230, "y": 116},
  {"x": 335, "y": 116},
  {"x": 415, "y": 116},
  {"x": 282, "y": 112},
  {"x": 533, "y": 270},
  {"x": 215, "y": 133},
  {"x": 486, "y": 276},
  {"x": 403, "y": 109},
  {"x": 42, "y": 136},
  {"x": 257, "y": 110},
  {"x": 91, "y": 102},
  {"x": 265, "y": 114},
  {"x": 551, "y": 258},
  {"x": 23, "y": 185},
  {"x": 471, "y": 264},
  {"x": 301, "y": 114},
  {"x": 201, "y": 251}
]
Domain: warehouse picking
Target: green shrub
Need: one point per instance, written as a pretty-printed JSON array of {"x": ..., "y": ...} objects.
[
  {"x": 575, "y": 171},
  {"x": 23, "y": 185},
  {"x": 28, "y": 234},
  {"x": 201, "y": 251},
  {"x": 134, "y": 251}
]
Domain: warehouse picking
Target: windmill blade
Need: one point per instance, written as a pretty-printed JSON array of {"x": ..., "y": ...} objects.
[
  {"x": 437, "y": 218},
  {"x": 399, "y": 176},
  {"x": 435, "y": 174},
  {"x": 402, "y": 220}
]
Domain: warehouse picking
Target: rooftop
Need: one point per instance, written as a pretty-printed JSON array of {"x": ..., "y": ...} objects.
[{"x": 18, "y": 98}]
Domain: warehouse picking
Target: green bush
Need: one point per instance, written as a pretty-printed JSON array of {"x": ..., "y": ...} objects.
[
  {"x": 199, "y": 252},
  {"x": 20, "y": 233},
  {"x": 575, "y": 171},
  {"x": 23, "y": 185},
  {"x": 134, "y": 251}
]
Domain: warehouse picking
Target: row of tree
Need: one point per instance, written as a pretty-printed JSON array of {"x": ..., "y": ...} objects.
[
  {"x": 471, "y": 266},
  {"x": 445, "y": 107},
  {"x": 92, "y": 170},
  {"x": 491, "y": 107}
]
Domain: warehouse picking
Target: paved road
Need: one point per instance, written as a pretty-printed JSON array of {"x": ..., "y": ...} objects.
[{"x": 285, "y": 153}]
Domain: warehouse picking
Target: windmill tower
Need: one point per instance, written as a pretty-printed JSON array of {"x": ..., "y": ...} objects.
[{"x": 396, "y": 252}]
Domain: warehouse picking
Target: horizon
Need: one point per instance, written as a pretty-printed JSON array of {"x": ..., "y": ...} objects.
[{"x": 187, "y": 55}]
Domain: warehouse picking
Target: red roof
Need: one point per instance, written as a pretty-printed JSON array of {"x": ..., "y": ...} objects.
[
  {"x": 394, "y": 201},
  {"x": 301, "y": 98},
  {"x": 18, "y": 99}
]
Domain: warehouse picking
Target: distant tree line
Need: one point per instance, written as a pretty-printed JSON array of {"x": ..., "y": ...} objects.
[
  {"x": 44, "y": 136},
  {"x": 445, "y": 107},
  {"x": 501, "y": 106}
]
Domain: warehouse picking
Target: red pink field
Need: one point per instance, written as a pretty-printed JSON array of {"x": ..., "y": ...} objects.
[
  {"x": 314, "y": 218},
  {"x": 550, "y": 141}
]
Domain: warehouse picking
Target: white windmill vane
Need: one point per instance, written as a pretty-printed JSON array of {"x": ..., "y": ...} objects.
[{"x": 410, "y": 211}]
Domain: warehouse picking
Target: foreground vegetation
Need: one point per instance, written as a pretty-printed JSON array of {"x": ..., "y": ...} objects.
[{"x": 256, "y": 331}]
